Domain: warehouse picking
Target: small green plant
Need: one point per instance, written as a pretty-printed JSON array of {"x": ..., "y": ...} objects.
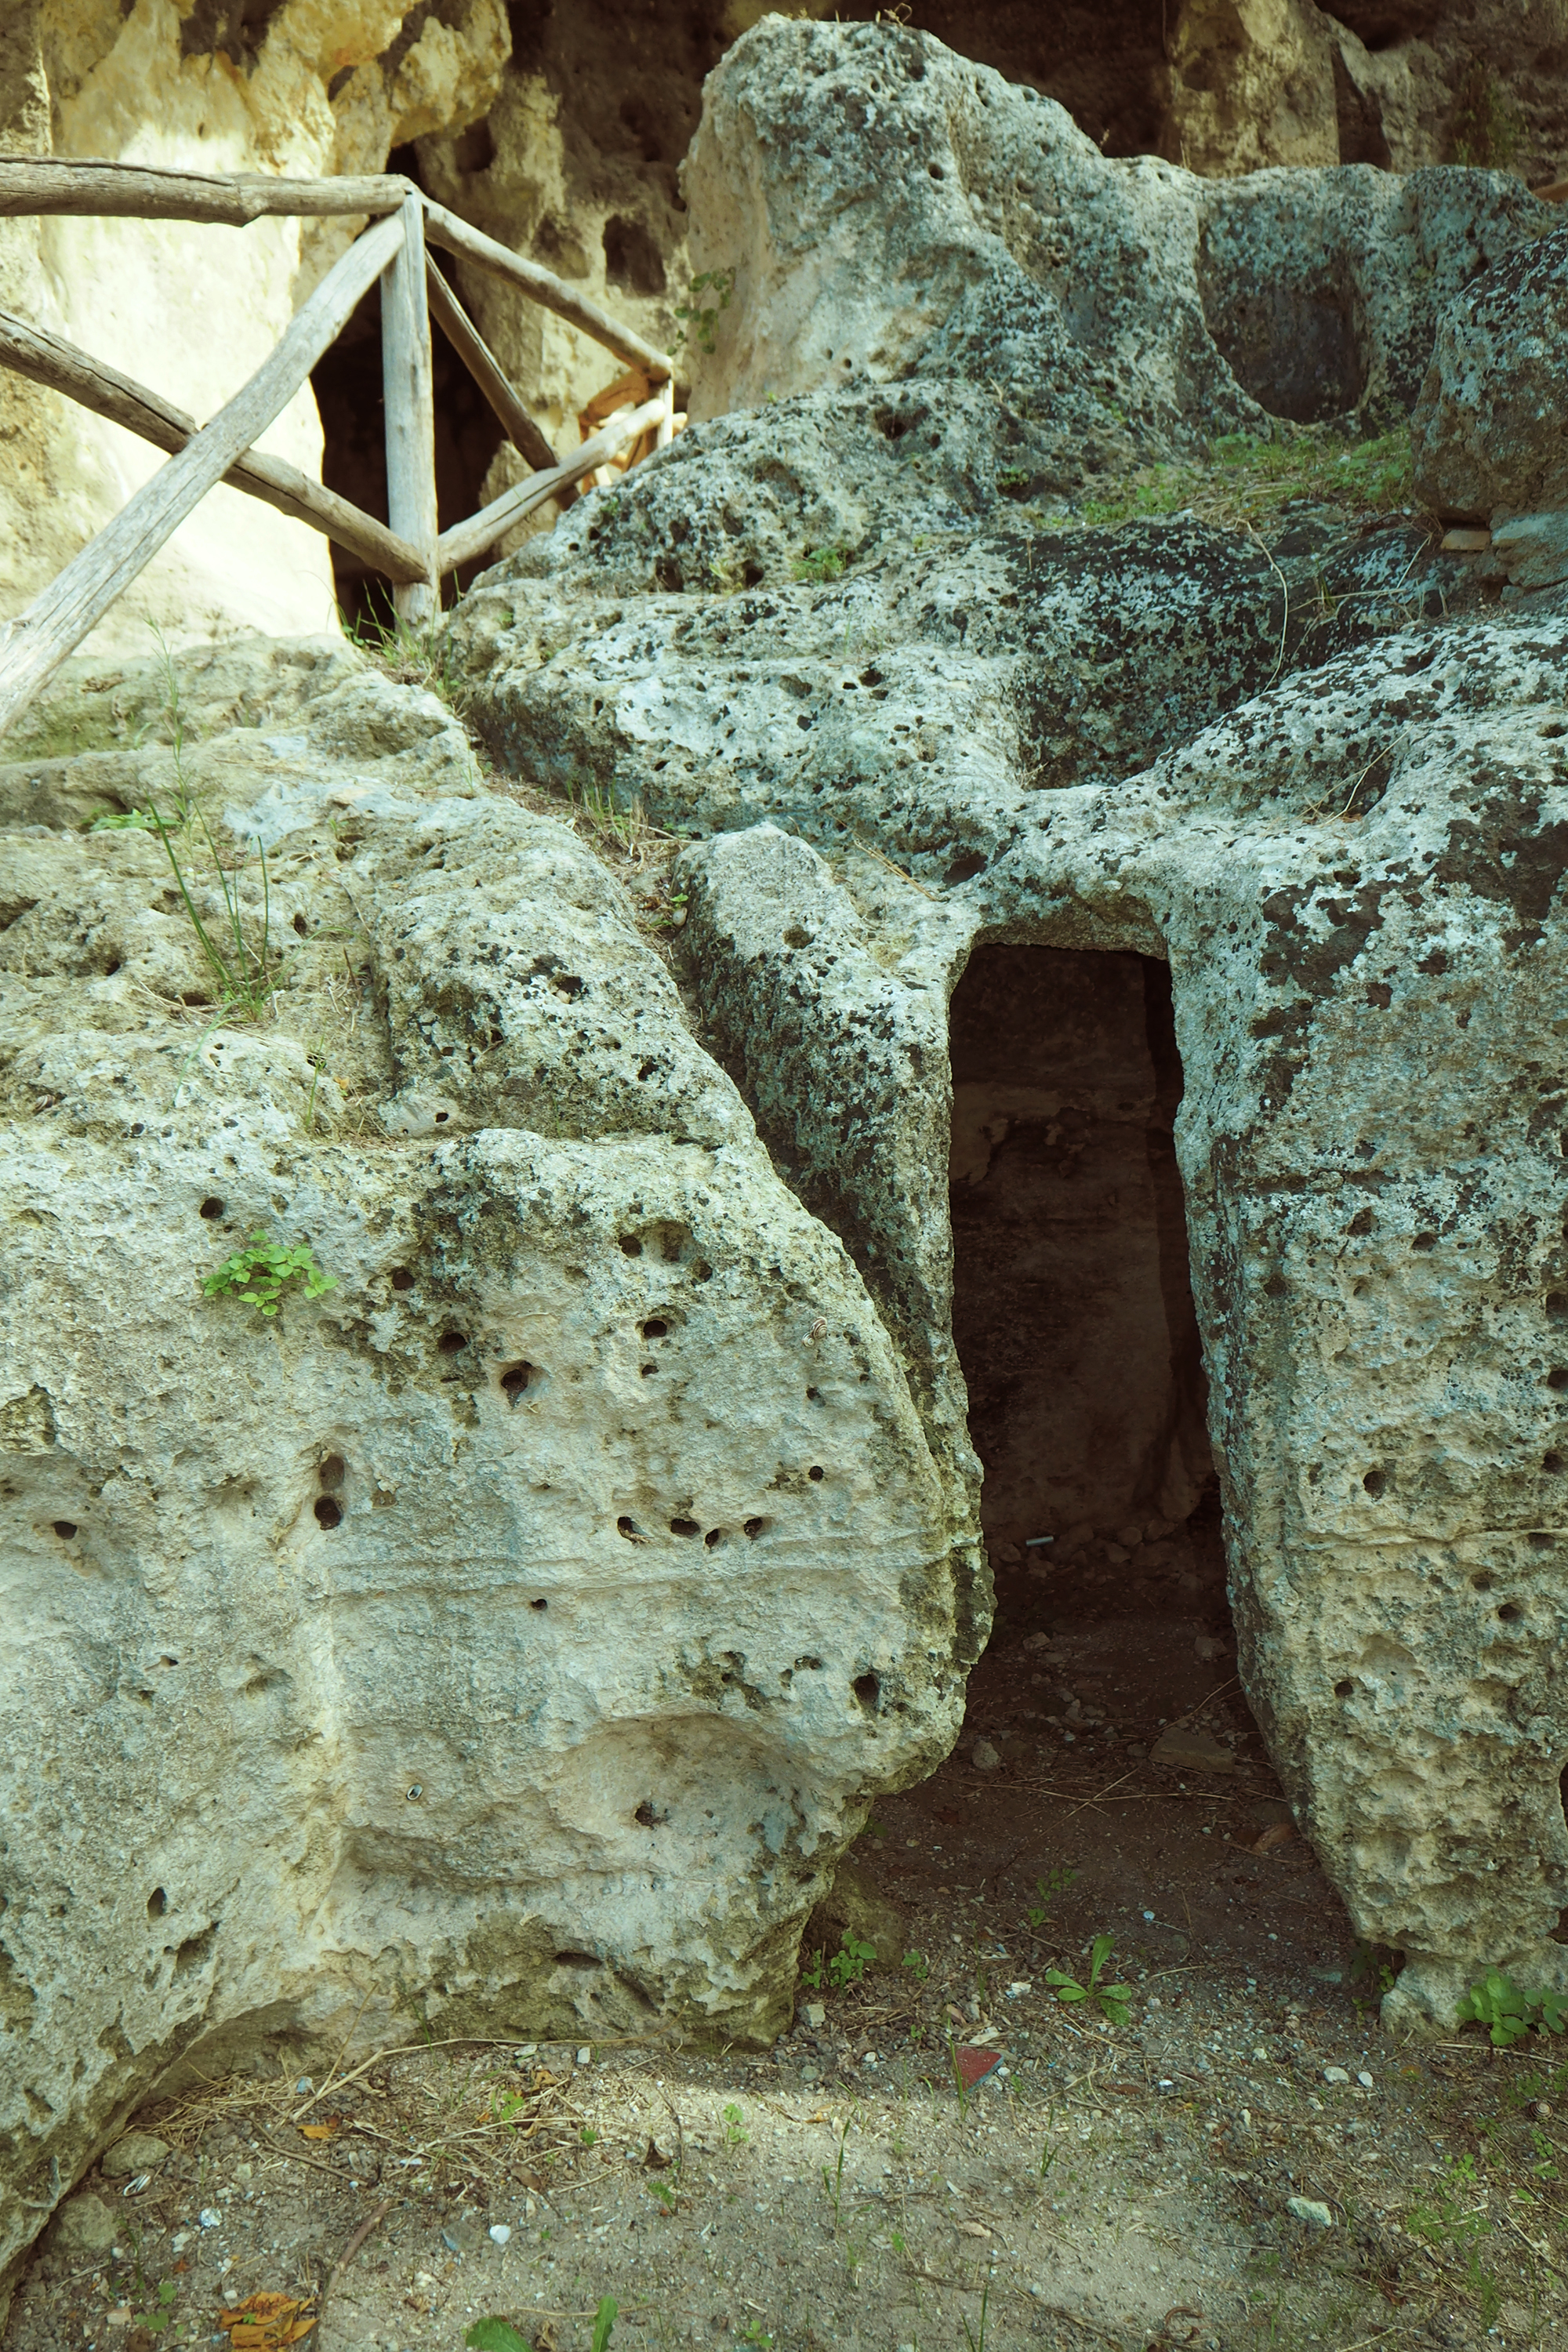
[
  {"x": 850, "y": 1961},
  {"x": 810, "y": 1971},
  {"x": 588, "y": 2136},
  {"x": 257, "y": 1274},
  {"x": 699, "y": 319},
  {"x": 755, "y": 2333},
  {"x": 158, "y": 2313},
  {"x": 735, "y": 2132},
  {"x": 1484, "y": 130},
  {"x": 243, "y": 972},
  {"x": 917, "y": 1966},
  {"x": 977, "y": 2343},
  {"x": 1508, "y": 2012},
  {"x": 818, "y": 566},
  {"x": 605, "y": 2319},
  {"x": 1054, "y": 1882},
  {"x": 832, "y": 2182},
  {"x": 494, "y": 2335},
  {"x": 412, "y": 654},
  {"x": 1111, "y": 2000},
  {"x": 665, "y": 2194}
]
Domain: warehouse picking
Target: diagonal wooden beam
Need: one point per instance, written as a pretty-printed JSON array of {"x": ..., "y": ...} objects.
[
  {"x": 50, "y": 360},
  {"x": 481, "y": 363},
  {"x": 34, "y": 645},
  {"x": 542, "y": 286},
  {"x": 479, "y": 533}
]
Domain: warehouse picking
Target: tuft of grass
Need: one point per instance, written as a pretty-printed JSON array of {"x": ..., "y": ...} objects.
[
  {"x": 1248, "y": 479},
  {"x": 818, "y": 565},
  {"x": 409, "y": 655}
]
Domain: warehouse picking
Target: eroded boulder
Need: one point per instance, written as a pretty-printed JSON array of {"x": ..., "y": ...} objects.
[
  {"x": 510, "y": 1637},
  {"x": 1488, "y": 432}
]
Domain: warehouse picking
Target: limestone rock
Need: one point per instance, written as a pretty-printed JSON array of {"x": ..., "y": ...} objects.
[
  {"x": 953, "y": 223},
  {"x": 137, "y": 2152},
  {"x": 86, "y": 2225},
  {"x": 1488, "y": 432},
  {"x": 433, "y": 1640}
]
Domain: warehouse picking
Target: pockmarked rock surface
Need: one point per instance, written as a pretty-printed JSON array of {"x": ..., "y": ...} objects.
[
  {"x": 510, "y": 1638},
  {"x": 885, "y": 206},
  {"x": 850, "y": 640},
  {"x": 1488, "y": 432}
]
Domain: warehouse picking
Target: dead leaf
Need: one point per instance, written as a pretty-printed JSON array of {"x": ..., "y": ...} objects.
[
  {"x": 653, "y": 2161},
  {"x": 1277, "y": 1833},
  {"x": 268, "y": 2322},
  {"x": 321, "y": 2131},
  {"x": 974, "y": 2230}
]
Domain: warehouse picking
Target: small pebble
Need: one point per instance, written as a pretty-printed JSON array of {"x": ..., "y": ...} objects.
[
  {"x": 1309, "y": 2210},
  {"x": 984, "y": 1757},
  {"x": 584, "y": 2057},
  {"x": 500, "y": 2232},
  {"x": 210, "y": 2218},
  {"x": 1335, "y": 2074},
  {"x": 1364, "y": 2079}
]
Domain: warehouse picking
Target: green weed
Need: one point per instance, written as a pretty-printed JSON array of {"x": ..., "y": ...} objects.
[
  {"x": 495, "y": 2334},
  {"x": 258, "y": 1274},
  {"x": 832, "y": 2182},
  {"x": 1054, "y": 1882},
  {"x": 1509, "y": 2012},
  {"x": 977, "y": 2343},
  {"x": 699, "y": 320},
  {"x": 1111, "y": 2000},
  {"x": 917, "y": 1966},
  {"x": 243, "y": 972},
  {"x": 818, "y": 566},
  {"x": 605, "y": 2319},
  {"x": 850, "y": 1961},
  {"x": 735, "y": 2132}
]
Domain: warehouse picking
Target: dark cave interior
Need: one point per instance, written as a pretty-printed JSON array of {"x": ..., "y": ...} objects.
[{"x": 1074, "y": 1321}]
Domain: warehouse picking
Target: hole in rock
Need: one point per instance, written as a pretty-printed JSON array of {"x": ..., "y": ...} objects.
[
  {"x": 157, "y": 1904},
  {"x": 332, "y": 1473},
  {"x": 1293, "y": 343},
  {"x": 539, "y": 1604},
  {"x": 1074, "y": 1325},
  {"x": 514, "y": 1378},
  {"x": 212, "y": 1207},
  {"x": 450, "y": 1342},
  {"x": 714, "y": 1538},
  {"x": 684, "y": 1528},
  {"x": 578, "y": 1961},
  {"x": 328, "y": 1513},
  {"x": 401, "y": 1278},
  {"x": 868, "y": 1690},
  {"x": 64, "y": 1529},
  {"x": 753, "y": 1527},
  {"x": 655, "y": 1327}
]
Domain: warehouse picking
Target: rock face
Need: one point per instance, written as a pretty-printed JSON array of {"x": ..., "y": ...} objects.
[
  {"x": 1488, "y": 433},
  {"x": 1312, "y": 799},
  {"x": 299, "y": 89},
  {"x": 515, "y": 1633},
  {"x": 887, "y": 206}
]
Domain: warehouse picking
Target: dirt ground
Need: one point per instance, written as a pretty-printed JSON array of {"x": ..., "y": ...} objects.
[{"x": 1123, "y": 2185}]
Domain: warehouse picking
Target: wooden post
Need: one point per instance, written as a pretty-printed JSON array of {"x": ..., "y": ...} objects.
[
  {"x": 410, "y": 414},
  {"x": 664, "y": 432}
]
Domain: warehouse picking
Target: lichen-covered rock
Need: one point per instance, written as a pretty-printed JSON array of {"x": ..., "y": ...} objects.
[
  {"x": 1488, "y": 433},
  {"x": 885, "y": 206},
  {"x": 512, "y": 1636},
  {"x": 1378, "y": 1267}
]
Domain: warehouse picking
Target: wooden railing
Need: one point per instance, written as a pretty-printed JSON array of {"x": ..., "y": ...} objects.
[{"x": 409, "y": 548}]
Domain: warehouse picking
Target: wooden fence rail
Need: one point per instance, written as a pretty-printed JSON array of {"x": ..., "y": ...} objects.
[{"x": 409, "y": 548}]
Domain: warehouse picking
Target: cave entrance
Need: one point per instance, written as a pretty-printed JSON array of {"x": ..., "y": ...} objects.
[{"x": 1074, "y": 1321}]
